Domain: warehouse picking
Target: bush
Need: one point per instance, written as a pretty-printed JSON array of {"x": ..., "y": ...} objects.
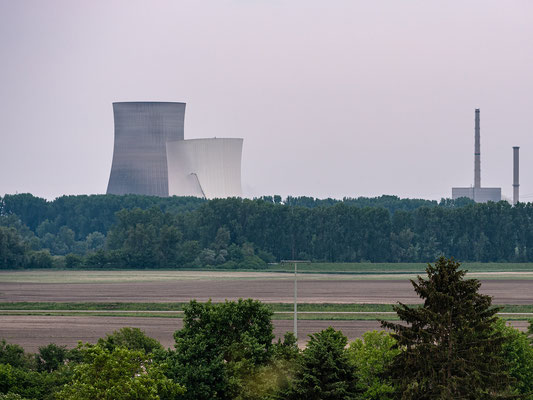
[
  {"x": 132, "y": 339},
  {"x": 40, "y": 259},
  {"x": 73, "y": 260}
]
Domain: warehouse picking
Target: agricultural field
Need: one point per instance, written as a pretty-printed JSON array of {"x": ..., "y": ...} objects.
[
  {"x": 42, "y": 306},
  {"x": 182, "y": 286}
]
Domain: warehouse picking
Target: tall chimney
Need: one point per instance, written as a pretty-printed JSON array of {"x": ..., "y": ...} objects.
[
  {"x": 516, "y": 185},
  {"x": 477, "y": 154}
]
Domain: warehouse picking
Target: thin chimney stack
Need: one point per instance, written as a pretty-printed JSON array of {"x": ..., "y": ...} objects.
[
  {"x": 516, "y": 166},
  {"x": 477, "y": 154}
]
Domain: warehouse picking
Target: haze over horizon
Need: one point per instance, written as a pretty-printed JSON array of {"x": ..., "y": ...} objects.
[{"x": 350, "y": 99}]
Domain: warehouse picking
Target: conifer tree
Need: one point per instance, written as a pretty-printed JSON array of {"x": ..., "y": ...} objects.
[
  {"x": 450, "y": 347},
  {"x": 325, "y": 372}
]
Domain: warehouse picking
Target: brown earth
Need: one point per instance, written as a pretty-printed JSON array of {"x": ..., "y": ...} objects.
[
  {"x": 33, "y": 331},
  {"x": 508, "y": 291}
]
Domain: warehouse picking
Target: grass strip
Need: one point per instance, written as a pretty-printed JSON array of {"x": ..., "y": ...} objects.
[
  {"x": 397, "y": 268},
  {"x": 302, "y": 317}
]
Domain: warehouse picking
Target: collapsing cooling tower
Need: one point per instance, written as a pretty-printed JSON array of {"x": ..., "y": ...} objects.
[
  {"x": 142, "y": 130},
  {"x": 209, "y": 168}
]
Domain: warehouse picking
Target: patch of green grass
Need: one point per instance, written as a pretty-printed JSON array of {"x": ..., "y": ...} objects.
[
  {"x": 395, "y": 268},
  {"x": 276, "y": 307},
  {"x": 513, "y": 308},
  {"x": 337, "y": 317},
  {"x": 313, "y": 317},
  {"x": 333, "y": 307}
]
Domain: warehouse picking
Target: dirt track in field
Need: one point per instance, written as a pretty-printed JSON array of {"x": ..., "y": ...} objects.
[{"x": 509, "y": 291}]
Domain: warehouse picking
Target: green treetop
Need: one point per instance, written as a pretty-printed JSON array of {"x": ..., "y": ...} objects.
[
  {"x": 325, "y": 371},
  {"x": 450, "y": 347}
]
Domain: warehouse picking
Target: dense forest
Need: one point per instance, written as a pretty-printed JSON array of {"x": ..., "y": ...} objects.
[
  {"x": 452, "y": 347},
  {"x": 141, "y": 231}
]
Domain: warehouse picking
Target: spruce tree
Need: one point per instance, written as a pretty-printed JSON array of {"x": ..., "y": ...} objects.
[
  {"x": 325, "y": 371},
  {"x": 450, "y": 347}
]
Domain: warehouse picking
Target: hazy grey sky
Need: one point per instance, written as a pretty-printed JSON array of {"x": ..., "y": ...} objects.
[{"x": 332, "y": 98}]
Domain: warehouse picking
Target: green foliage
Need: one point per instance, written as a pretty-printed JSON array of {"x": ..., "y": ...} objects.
[
  {"x": 287, "y": 349},
  {"x": 272, "y": 379},
  {"x": 13, "y": 354},
  {"x": 450, "y": 347},
  {"x": 371, "y": 355},
  {"x": 132, "y": 339},
  {"x": 12, "y": 249},
  {"x": 325, "y": 371},
  {"x": 39, "y": 259},
  {"x": 147, "y": 232},
  {"x": 11, "y": 396},
  {"x": 119, "y": 374},
  {"x": 31, "y": 209},
  {"x": 86, "y": 214},
  {"x": 95, "y": 241},
  {"x": 269, "y": 380},
  {"x": 518, "y": 354},
  {"x": 199, "y": 366},
  {"x": 73, "y": 260},
  {"x": 29, "y": 384},
  {"x": 219, "y": 346},
  {"x": 50, "y": 357},
  {"x": 145, "y": 238}
]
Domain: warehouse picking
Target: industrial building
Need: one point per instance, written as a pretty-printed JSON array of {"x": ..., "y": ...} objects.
[
  {"x": 152, "y": 157},
  {"x": 477, "y": 193}
]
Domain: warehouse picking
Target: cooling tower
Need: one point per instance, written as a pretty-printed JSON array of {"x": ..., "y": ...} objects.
[
  {"x": 142, "y": 130},
  {"x": 209, "y": 168}
]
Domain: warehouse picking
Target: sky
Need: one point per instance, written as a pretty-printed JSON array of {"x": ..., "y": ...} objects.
[{"x": 333, "y": 98}]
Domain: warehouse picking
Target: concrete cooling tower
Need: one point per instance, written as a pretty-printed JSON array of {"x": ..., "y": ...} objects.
[
  {"x": 142, "y": 130},
  {"x": 209, "y": 168}
]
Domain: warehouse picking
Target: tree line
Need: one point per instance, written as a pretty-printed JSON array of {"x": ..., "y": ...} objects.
[
  {"x": 451, "y": 347},
  {"x": 140, "y": 231}
]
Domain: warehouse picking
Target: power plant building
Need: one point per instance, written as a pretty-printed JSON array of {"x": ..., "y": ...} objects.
[
  {"x": 151, "y": 156},
  {"x": 477, "y": 193}
]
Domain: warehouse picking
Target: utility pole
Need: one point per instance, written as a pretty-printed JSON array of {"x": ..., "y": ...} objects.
[{"x": 295, "y": 262}]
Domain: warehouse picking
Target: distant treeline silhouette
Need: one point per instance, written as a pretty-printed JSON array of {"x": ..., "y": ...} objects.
[{"x": 143, "y": 231}]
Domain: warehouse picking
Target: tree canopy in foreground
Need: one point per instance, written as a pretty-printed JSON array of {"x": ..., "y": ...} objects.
[{"x": 450, "y": 346}]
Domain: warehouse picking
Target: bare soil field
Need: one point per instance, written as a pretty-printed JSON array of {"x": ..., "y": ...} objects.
[
  {"x": 33, "y": 331},
  {"x": 182, "y": 286},
  {"x": 123, "y": 276},
  {"x": 508, "y": 291}
]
